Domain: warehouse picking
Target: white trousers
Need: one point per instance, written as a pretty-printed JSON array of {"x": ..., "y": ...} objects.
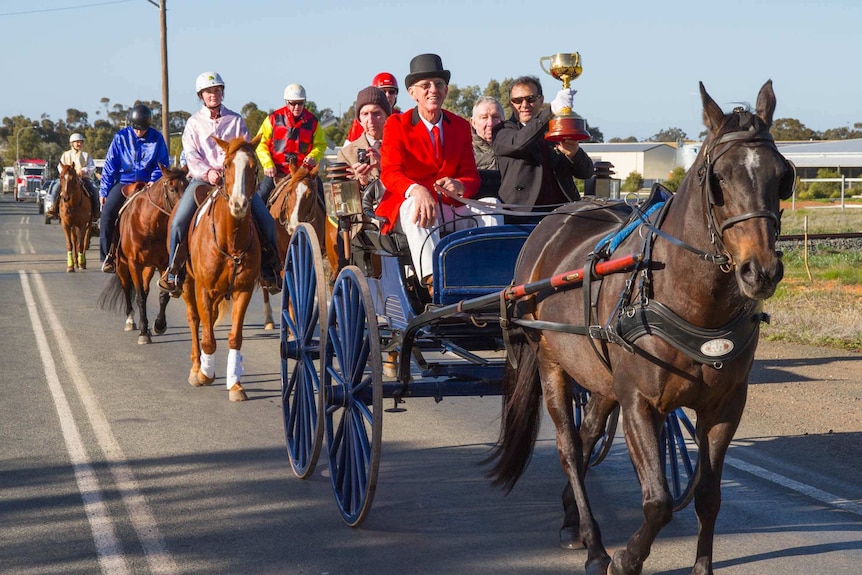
[{"x": 449, "y": 219}]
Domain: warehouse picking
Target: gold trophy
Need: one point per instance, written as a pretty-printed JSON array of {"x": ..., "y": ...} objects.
[{"x": 566, "y": 124}]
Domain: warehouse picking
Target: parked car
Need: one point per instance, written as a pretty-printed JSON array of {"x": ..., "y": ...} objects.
[
  {"x": 47, "y": 203},
  {"x": 42, "y": 193}
]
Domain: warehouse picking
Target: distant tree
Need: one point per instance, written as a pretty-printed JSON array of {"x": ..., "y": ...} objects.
[
  {"x": 177, "y": 120},
  {"x": 76, "y": 120},
  {"x": 791, "y": 129},
  {"x": 634, "y": 181},
  {"x": 253, "y": 117},
  {"x": 629, "y": 140},
  {"x": 460, "y": 100},
  {"x": 675, "y": 179},
  {"x": 596, "y": 133},
  {"x": 669, "y": 135},
  {"x": 843, "y": 133}
]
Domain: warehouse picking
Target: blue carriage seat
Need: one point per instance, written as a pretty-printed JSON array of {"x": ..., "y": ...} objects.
[{"x": 477, "y": 261}]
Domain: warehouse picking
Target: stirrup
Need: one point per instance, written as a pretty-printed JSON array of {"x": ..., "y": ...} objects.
[
  {"x": 168, "y": 283},
  {"x": 108, "y": 265}
]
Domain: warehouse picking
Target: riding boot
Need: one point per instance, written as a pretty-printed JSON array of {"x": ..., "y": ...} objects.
[
  {"x": 172, "y": 280},
  {"x": 270, "y": 268},
  {"x": 109, "y": 266}
]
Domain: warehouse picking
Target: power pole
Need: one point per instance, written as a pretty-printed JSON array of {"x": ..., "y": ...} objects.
[{"x": 164, "y": 26}]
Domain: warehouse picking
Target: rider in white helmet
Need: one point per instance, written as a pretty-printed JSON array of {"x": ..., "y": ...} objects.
[
  {"x": 84, "y": 166},
  {"x": 205, "y": 162},
  {"x": 291, "y": 132}
]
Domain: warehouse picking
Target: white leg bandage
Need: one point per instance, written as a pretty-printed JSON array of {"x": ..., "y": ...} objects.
[
  {"x": 234, "y": 367},
  {"x": 208, "y": 364}
]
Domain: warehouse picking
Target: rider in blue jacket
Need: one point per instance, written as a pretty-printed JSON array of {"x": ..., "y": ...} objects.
[{"x": 134, "y": 156}]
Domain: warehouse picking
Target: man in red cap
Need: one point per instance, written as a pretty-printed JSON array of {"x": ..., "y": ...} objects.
[{"x": 428, "y": 153}]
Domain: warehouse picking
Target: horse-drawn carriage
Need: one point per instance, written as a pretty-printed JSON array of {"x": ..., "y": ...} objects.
[{"x": 667, "y": 328}]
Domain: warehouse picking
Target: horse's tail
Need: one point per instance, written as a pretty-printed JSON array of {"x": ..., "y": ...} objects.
[
  {"x": 521, "y": 417},
  {"x": 113, "y": 295},
  {"x": 223, "y": 311}
]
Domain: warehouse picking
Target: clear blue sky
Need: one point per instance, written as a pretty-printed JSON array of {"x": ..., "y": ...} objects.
[{"x": 642, "y": 59}]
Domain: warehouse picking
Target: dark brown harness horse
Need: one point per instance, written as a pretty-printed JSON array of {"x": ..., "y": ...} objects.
[
  {"x": 75, "y": 212},
  {"x": 680, "y": 331},
  {"x": 223, "y": 264},
  {"x": 294, "y": 200},
  {"x": 143, "y": 231}
]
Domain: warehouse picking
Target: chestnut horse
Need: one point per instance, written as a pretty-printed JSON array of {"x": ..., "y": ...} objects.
[
  {"x": 75, "y": 212},
  {"x": 294, "y": 200},
  {"x": 680, "y": 331},
  {"x": 142, "y": 250},
  {"x": 223, "y": 265}
]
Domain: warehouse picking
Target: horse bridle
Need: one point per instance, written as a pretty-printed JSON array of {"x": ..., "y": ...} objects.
[
  {"x": 705, "y": 176},
  {"x": 169, "y": 205}
]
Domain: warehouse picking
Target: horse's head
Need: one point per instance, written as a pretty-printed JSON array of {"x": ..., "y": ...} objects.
[
  {"x": 240, "y": 173},
  {"x": 743, "y": 176},
  {"x": 70, "y": 184},
  {"x": 301, "y": 195},
  {"x": 175, "y": 181}
]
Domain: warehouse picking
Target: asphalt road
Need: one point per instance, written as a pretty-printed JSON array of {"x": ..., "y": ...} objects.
[{"x": 111, "y": 462}]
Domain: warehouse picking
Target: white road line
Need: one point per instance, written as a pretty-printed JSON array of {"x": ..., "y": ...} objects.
[
  {"x": 108, "y": 546},
  {"x": 804, "y": 489},
  {"x": 158, "y": 558}
]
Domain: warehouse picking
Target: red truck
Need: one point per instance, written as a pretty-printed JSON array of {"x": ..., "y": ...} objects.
[{"x": 31, "y": 174}]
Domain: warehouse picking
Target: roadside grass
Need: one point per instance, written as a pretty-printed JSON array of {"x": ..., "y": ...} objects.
[
  {"x": 823, "y": 217},
  {"x": 825, "y": 309}
]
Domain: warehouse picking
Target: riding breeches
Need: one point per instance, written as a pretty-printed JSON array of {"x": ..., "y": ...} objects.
[{"x": 108, "y": 221}]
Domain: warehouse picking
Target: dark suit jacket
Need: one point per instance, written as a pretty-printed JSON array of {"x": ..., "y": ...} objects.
[
  {"x": 408, "y": 158},
  {"x": 519, "y": 154}
]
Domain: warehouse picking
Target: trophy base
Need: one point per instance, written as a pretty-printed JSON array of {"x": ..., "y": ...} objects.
[{"x": 560, "y": 129}]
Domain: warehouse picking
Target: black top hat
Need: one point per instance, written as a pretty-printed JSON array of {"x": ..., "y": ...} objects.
[{"x": 426, "y": 66}]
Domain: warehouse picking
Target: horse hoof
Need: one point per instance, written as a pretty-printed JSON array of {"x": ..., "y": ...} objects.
[
  {"x": 570, "y": 539},
  {"x": 237, "y": 393},
  {"x": 268, "y": 326},
  {"x": 70, "y": 270},
  {"x": 144, "y": 339},
  {"x": 160, "y": 328},
  {"x": 200, "y": 379},
  {"x": 130, "y": 326}
]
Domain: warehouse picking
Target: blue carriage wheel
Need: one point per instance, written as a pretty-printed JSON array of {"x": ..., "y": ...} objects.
[
  {"x": 679, "y": 456},
  {"x": 303, "y": 312},
  {"x": 353, "y": 393},
  {"x": 581, "y": 397}
]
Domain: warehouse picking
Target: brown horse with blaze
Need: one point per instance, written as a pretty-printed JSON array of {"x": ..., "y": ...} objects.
[
  {"x": 223, "y": 265},
  {"x": 75, "y": 212}
]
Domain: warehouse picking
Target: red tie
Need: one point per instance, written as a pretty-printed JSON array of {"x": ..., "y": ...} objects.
[{"x": 438, "y": 145}]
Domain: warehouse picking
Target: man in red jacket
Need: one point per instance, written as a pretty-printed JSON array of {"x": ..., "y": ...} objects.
[{"x": 428, "y": 151}]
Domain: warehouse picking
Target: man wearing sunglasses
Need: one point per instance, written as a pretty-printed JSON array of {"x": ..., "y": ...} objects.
[
  {"x": 536, "y": 173},
  {"x": 289, "y": 133}
]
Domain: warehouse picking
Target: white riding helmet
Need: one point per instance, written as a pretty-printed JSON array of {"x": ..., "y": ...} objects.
[
  {"x": 76, "y": 137},
  {"x": 208, "y": 80},
  {"x": 294, "y": 92}
]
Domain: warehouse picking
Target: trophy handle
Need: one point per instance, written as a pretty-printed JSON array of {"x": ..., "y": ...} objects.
[{"x": 542, "y": 61}]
